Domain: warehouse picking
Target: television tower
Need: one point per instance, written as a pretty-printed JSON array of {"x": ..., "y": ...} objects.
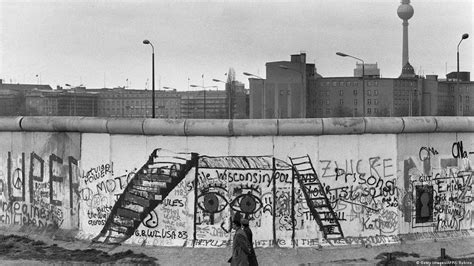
[{"x": 405, "y": 12}]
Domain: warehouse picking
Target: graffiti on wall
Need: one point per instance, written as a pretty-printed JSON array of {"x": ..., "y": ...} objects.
[
  {"x": 187, "y": 199},
  {"x": 286, "y": 203},
  {"x": 39, "y": 191},
  {"x": 438, "y": 189}
]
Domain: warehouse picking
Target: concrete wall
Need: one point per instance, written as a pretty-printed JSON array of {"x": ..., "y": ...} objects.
[{"x": 178, "y": 182}]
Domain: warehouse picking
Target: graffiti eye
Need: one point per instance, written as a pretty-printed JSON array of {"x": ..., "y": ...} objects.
[
  {"x": 246, "y": 203},
  {"x": 212, "y": 202}
]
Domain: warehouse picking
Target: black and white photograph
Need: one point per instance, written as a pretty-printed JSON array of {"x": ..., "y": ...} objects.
[{"x": 236, "y": 132}]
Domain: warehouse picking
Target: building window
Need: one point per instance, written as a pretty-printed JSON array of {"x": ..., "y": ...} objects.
[
  {"x": 341, "y": 93},
  {"x": 355, "y": 101},
  {"x": 328, "y": 111},
  {"x": 369, "y": 111},
  {"x": 369, "y": 101},
  {"x": 376, "y": 92},
  {"x": 376, "y": 110},
  {"x": 334, "y": 83},
  {"x": 327, "y": 102},
  {"x": 376, "y": 102},
  {"x": 376, "y": 83},
  {"x": 355, "y": 92},
  {"x": 369, "y": 92},
  {"x": 341, "y": 101}
]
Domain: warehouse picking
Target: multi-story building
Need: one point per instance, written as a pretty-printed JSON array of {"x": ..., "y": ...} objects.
[
  {"x": 238, "y": 104},
  {"x": 215, "y": 104},
  {"x": 61, "y": 102},
  {"x": 12, "y": 97},
  {"x": 209, "y": 104},
  {"x": 371, "y": 95},
  {"x": 284, "y": 93},
  {"x": 425, "y": 96},
  {"x": 121, "y": 102},
  {"x": 369, "y": 70},
  {"x": 9, "y": 103}
]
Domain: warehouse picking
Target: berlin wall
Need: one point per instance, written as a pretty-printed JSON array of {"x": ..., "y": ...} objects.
[{"x": 300, "y": 182}]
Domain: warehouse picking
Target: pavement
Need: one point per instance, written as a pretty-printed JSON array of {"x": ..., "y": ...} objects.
[{"x": 28, "y": 249}]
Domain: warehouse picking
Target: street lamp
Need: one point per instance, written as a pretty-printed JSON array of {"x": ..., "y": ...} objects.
[
  {"x": 152, "y": 77},
  {"x": 263, "y": 90},
  {"x": 363, "y": 74},
  {"x": 204, "y": 89},
  {"x": 304, "y": 90},
  {"x": 464, "y": 36}
]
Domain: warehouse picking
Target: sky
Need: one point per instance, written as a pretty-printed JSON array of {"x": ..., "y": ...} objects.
[{"x": 99, "y": 43}]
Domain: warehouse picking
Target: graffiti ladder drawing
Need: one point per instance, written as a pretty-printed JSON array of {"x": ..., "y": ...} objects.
[
  {"x": 147, "y": 189},
  {"x": 316, "y": 198}
]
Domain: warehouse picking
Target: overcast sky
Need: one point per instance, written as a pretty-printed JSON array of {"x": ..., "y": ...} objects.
[{"x": 99, "y": 42}]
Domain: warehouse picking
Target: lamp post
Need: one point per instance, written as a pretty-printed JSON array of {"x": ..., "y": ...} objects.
[
  {"x": 363, "y": 74},
  {"x": 263, "y": 91},
  {"x": 204, "y": 90},
  {"x": 464, "y": 36},
  {"x": 152, "y": 77},
  {"x": 304, "y": 90},
  {"x": 230, "y": 104}
]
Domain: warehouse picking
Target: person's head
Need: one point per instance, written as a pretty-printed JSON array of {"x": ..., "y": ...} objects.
[
  {"x": 244, "y": 222},
  {"x": 236, "y": 221},
  {"x": 236, "y": 225}
]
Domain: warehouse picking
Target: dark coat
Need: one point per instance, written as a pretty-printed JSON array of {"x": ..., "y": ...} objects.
[
  {"x": 240, "y": 249},
  {"x": 252, "y": 256}
]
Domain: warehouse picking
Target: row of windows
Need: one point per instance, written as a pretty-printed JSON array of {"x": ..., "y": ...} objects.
[
  {"x": 369, "y": 83},
  {"x": 341, "y": 101},
  {"x": 369, "y": 110},
  {"x": 355, "y": 92},
  {"x": 129, "y": 102},
  {"x": 404, "y": 83}
]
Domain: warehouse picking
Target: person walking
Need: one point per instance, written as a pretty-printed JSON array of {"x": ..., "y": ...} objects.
[
  {"x": 240, "y": 244},
  {"x": 252, "y": 256}
]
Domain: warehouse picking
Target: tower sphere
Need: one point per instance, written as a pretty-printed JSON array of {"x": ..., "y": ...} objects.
[{"x": 405, "y": 10}]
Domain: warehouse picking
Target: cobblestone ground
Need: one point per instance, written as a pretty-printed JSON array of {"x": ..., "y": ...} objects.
[{"x": 21, "y": 250}]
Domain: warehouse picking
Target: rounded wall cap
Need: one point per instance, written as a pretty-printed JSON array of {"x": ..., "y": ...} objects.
[
  {"x": 454, "y": 124},
  {"x": 421, "y": 124},
  {"x": 174, "y": 127},
  {"x": 253, "y": 127},
  {"x": 299, "y": 127},
  {"x": 10, "y": 123},
  {"x": 383, "y": 125},
  {"x": 49, "y": 123},
  {"x": 343, "y": 125},
  {"x": 207, "y": 127},
  {"x": 125, "y": 126}
]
